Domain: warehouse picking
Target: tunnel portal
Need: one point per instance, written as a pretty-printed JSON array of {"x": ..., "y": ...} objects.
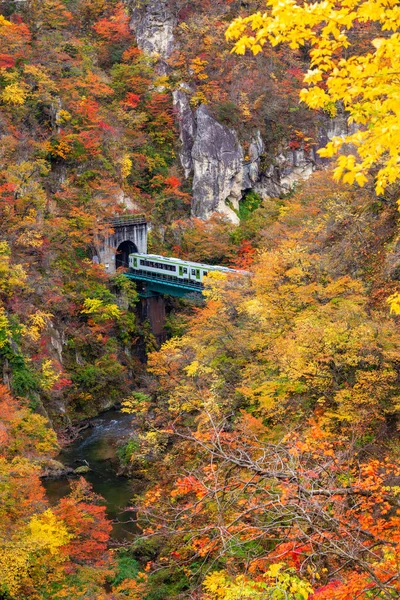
[{"x": 123, "y": 251}]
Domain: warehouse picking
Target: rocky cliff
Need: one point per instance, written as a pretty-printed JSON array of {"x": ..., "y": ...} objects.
[
  {"x": 210, "y": 151},
  {"x": 153, "y": 25}
]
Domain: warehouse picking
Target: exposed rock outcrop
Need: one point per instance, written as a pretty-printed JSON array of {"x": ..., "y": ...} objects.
[
  {"x": 210, "y": 151},
  {"x": 221, "y": 170},
  {"x": 187, "y": 129},
  {"x": 280, "y": 178},
  {"x": 217, "y": 167},
  {"x": 252, "y": 162},
  {"x": 54, "y": 469},
  {"x": 153, "y": 24}
]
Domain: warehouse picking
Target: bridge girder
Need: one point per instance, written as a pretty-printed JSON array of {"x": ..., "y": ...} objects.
[{"x": 178, "y": 288}]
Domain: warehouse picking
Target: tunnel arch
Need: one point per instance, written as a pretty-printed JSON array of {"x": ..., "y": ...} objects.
[{"x": 123, "y": 251}]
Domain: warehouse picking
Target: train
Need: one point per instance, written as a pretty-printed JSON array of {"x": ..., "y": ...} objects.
[{"x": 185, "y": 270}]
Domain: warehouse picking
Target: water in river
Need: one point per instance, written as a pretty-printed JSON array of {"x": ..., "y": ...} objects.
[{"x": 97, "y": 447}]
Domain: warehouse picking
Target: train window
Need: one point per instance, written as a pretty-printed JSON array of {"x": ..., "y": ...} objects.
[
  {"x": 185, "y": 270},
  {"x": 193, "y": 271},
  {"x": 205, "y": 273}
]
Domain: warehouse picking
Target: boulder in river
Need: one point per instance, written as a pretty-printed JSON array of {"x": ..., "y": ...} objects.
[
  {"x": 54, "y": 469},
  {"x": 82, "y": 469}
]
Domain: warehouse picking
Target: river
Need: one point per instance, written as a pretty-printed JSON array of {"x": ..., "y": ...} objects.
[{"x": 97, "y": 447}]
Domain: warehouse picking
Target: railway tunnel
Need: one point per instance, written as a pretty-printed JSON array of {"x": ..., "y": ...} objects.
[
  {"x": 130, "y": 236},
  {"x": 122, "y": 255}
]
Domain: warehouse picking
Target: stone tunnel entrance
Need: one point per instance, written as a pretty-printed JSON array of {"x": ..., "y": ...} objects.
[
  {"x": 123, "y": 251},
  {"x": 130, "y": 235}
]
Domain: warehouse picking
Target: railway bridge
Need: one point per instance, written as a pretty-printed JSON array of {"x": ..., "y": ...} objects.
[
  {"x": 129, "y": 237},
  {"x": 156, "y": 276},
  {"x": 154, "y": 284}
]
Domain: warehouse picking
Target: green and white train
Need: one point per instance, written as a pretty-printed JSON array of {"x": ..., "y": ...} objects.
[{"x": 173, "y": 268}]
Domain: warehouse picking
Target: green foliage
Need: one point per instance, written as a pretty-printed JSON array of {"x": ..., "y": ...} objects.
[
  {"x": 176, "y": 324},
  {"x": 127, "y": 567},
  {"x": 167, "y": 584},
  {"x": 248, "y": 204},
  {"x": 127, "y": 288},
  {"x": 127, "y": 451},
  {"x": 25, "y": 381},
  {"x": 228, "y": 113},
  {"x": 102, "y": 379}
]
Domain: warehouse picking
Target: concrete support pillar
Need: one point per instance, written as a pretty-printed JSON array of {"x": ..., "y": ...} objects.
[{"x": 153, "y": 308}]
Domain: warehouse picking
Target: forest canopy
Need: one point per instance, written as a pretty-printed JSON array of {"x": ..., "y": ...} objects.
[
  {"x": 262, "y": 437},
  {"x": 362, "y": 76}
]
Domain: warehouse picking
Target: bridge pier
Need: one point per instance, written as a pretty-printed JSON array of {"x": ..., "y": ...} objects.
[{"x": 152, "y": 308}]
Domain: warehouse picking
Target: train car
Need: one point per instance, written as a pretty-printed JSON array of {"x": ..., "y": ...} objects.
[{"x": 173, "y": 267}]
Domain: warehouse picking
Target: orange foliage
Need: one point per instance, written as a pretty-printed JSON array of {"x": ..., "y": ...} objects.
[
  {"x": 86, "y": 519},
  {"x": 115, "y": 27}
]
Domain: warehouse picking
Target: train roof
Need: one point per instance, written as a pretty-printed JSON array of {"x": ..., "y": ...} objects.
[{"x": 188, "y": 263}]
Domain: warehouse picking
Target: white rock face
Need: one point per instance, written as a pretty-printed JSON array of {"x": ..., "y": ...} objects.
[
  {"x": 251, "y": 167},
  {"x": 153, "y": 24},
  {"x": 290, "y": 168},
  {"x": 187, "y": 129},
  {"x": 126, "y": 201},
  {"x": 217, "y": 167},
  {"x": 210, "y": 150}
]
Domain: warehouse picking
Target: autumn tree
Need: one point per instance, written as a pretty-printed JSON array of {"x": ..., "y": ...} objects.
[
  {"x": 366, "y": 84},
  {"x": 97, "y": 130},
  {"x": 269, "y": 415}
]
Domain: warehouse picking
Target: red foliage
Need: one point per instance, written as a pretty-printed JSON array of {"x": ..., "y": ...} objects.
[
  {"x": 172, "y": 182},
  {"x": 105, "y": 126},
  {"x": 88, "y": 523},
  {"x": 131, "y": 100},
  {"x": 91, "y": 141},
  {"x": 326, "y": 591},
  {"x": 6, "y": 61},
  {"x": 89, "y": 109},
  {"x": 116, "y": 27},
  {"x": 62, "y": 383},
  {"x": 246, "y": 255}
]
